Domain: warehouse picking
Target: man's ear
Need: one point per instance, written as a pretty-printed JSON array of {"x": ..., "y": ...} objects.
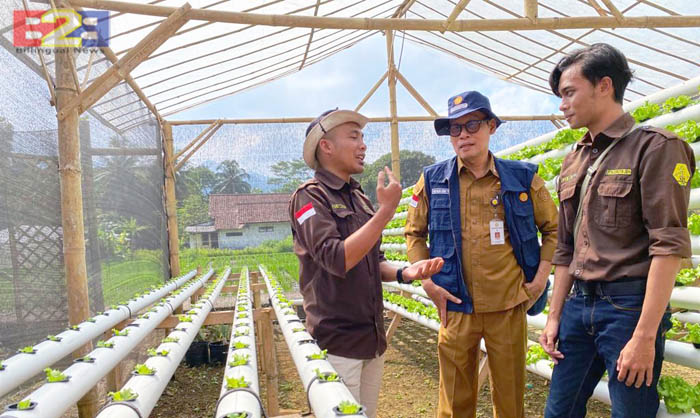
[
  {"x": 605, "y": 87},
  {"x": 325, "y": 146},
  {"x": 492, "y": 126}
]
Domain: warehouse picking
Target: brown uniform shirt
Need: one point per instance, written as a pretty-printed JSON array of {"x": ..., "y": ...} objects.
[
  {"x": 492, "y": 274},
  {"x": 344, "y": 311},
  {"x": 636, "y": 206}
]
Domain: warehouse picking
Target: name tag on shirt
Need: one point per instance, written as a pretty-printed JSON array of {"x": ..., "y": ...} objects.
[
  {"x": 441, "y": 190},
  {"x": 497, "y": 232}
]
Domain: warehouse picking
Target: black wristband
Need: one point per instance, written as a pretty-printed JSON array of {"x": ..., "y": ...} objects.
[{"x": 399, "y": 275}]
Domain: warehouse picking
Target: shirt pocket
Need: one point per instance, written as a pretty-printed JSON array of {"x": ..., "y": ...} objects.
[
  {"x": 439, "y": 212},
  {"x": 614, "y": 204},
  {"x": 345, "y": 220},
  {"x": 567, "y": 204}
]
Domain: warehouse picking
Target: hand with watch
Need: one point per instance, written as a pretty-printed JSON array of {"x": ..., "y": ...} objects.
[{"x": 419, "y": 270}]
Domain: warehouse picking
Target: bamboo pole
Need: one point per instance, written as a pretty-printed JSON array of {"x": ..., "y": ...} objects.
[
  {"x": 415, "y": 94},
  {"x": 110, "y": 78},
  {"x": 371, "y": 91},
  {"x": 453, "y": 16},
  {"x": 170, "y": 201},
  {"x": 194, "y": 141},
  {"x": 383, "y": 119},
  {"x": 530, "y": 7},
  {"x": 394, "y": 124},
  {"x": 614, "y": 10},
  {"x": 311, "y": 37},
  {"x": 202, "y": 142},
  {"x": 464, "y": 25},
  {"x": 69, "y": 169},
  {"x": 403, "y": 8}
]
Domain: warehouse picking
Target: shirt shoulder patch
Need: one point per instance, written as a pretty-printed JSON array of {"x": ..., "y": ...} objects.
[
  {"x": 681, "y": 174},
  {"x": 663, "y": 132},
  {"x": 304, "y": 213}
]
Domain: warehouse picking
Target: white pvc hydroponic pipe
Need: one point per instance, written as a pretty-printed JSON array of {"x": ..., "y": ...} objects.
[
  {"x": 323, "y": 396},
  {"x": 149, "y": 388},
  {"x": 53, "y": 399},
  {"x": 688, "y": 317},
  {"x": 21, "y": 367},
  {"x": 688, "y": 87},
  {"x": 232, "y": 401}
]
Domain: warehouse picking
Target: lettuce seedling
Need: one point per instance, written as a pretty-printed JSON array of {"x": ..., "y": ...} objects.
[
  {"x": 235, "y": 383},
  {"x": 24, "y": 405},
  {"x": 152, "y": 352},
  {"x": 27, "y": 350},
  {"x": 239, "y": 345},
  {"x": 348, "y": 408},
  {"x": 239, "y": 360},
  {"x": 53, "y": 375},
  {"x": 143, "y": 370},
  {"x": 327, "y": 376},
  {"x": 318, "y": 356},
  {"x": 53, "y": 338},
  {"x": 105, "y": 344},
  {"x": 170, "y": 340},
  {"x": 123, "y": 395},
  {"x": 122, "y": 333}
]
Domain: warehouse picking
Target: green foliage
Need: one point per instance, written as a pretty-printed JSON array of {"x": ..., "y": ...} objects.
[
  {"x": 318, "y": 356},
  {"x": 412, "y": 164},
  {"x": 561, "y": 139},
  {"x": 239, "y": 345},
  {"x": 235, "y": 383},
  {"x": 678, "y": 395},
  {"x": 688, "y": 130},
  {"x": 327, "y": 376},
  {"x": 152, "y": 352},
  {"x": 237, "y": 415},
  {"x": 142, "y": 369},
  {"x": 123, "y": 395},
  {"x": 694, "y": 224},
  {"x": 170, "y": 340},
  {"x": 184, "y": 318},
  {"x": 192, "y": 210},
  {"x": 693, "y": 333},
  {"x": 53, "y": 375},
  {"x": 395, "y": 256},
  {"x": 393, "y": 239},
  {"x": 406, "y": 193},
  {"x": 231, "y": 178},
  {"x": 53, "y": 338},
  {"x": 27, "y": 350},
  {"x": 122, "y": 333},
  {"x": 288, "y": 175},
  {"x": 24, "y": 404},
  {"x": 411, "y": 305},
  {"x": 535, "y": 353},
  {"x": 347, "y": 407},
  {"x": 242, "y": 333},
  {"x": 105, "y": 344},
  {"x": 687, "y": 276},
  {"x": 239, "y": 360},
  {"x": 396, "y": 223},
  {"x": 673, "y": 104},
  {"x": 550, "y": 168},
  {"x": 646, "y": 111}
]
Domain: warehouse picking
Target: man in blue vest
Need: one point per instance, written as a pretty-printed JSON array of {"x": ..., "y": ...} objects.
[{"x": 481, "y": 215}]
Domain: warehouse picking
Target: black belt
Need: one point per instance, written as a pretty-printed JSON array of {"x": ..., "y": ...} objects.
[{"x": 627, "y": 286}]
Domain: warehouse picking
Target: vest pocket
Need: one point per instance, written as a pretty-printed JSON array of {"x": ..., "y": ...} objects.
[{"x": 448, "y": 276}]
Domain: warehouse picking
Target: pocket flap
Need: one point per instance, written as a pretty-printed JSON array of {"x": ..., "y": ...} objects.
[
  {"x": 567, "y": 191},
  {"x": 614, "y": 189},
  {"x": 341, "y": 211},
  {"x": 444, "y": 252}
]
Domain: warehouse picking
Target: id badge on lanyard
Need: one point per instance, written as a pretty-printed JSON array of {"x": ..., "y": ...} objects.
[{"x": 496, "y": 226}]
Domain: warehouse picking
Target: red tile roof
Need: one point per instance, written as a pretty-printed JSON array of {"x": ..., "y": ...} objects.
[{"x": 235, "y": 211}]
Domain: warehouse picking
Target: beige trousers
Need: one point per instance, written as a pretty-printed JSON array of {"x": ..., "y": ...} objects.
[{"x": 362, "y": 377}]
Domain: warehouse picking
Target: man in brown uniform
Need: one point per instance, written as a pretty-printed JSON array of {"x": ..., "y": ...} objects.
[
  {"x": 482, "y": 215},
  {"x": 622, "y": 231},
  {"x": 336, "y": 237}
]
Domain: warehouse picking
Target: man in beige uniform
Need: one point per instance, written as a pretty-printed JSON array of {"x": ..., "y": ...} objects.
[{"x": 482, "y": 291}]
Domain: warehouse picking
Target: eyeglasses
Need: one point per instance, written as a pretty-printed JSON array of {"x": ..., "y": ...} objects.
[{"x": 472, "y": 127}]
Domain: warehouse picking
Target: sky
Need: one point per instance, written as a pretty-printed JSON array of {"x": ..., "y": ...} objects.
[{"x": 343, "y": 80}]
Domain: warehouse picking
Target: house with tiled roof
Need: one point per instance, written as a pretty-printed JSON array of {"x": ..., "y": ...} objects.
[{"x": 242, "y": 220}]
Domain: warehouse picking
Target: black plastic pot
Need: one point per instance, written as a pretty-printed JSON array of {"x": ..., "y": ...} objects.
[
  {"x": 218, "y": 352},
  {"x": 197, "y": 354}
]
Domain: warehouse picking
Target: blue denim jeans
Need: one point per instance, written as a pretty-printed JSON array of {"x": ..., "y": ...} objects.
[{"x": 592, "y": 332}]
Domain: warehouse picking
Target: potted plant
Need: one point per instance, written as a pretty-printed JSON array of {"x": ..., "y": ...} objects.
[
  {"x": 55, "y": 376},
  {"x": 143, "y": 370},
  {"x": 105, "y": 344},
  {"x": 218, "y": 343},
  {"x": 24, "y": 405},
  {"x": 348, "y": 408},
  {"x": 235, "y": 383},
  {"x": 239, "y": 360},
  {"x": 124, "y": 395},
  {"x": 198, "y": 352}
]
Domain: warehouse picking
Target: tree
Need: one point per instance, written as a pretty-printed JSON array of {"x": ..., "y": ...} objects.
[
  {"x": 288, "y": 175},
  {"x": 412, "y": 163},
  {"x": 231, "y": 178},
  {"x": 194, "y": 180},
  {"x": 194, "y": 210}
]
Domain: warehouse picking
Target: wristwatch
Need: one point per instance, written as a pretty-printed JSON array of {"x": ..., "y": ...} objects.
[{"x": 399, "y": 275}]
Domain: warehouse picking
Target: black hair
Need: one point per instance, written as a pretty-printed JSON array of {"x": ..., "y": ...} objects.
[{"x": 597, "y": 61}]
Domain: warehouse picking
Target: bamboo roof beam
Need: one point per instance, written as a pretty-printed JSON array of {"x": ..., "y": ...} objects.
[
  {"x": 118, "y": 71},
  {"x": 594, "y": 4},
  {"x": 194, "y": 141},
  {"x": 453, "y": 16},
  {"x": 470, "y": 25},
  {"x": 87, "y": 71},
  {"x": 311, "y": 37},
  {"x": 415, "y": 94},
  {"x": 518, "y": 118},
  {"x": 615, "y": 12},
  {"x": 530, "y": 8},
  {"x": 371, "y": 91},
  {"x": 202, "y": 142},
  {"x": 403, "y": 9},
  {"x": 47, "y": 75}
]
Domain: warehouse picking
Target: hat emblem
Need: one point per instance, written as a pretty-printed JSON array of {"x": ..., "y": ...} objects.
[{"x": 457, "y": 100}]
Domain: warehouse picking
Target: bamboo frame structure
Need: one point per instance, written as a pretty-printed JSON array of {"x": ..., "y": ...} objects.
[
  {"x": 371, "y": 119},
  {"x": 391, "y": 79},
  {"x": 453, "y": 16},
  {"x": 70, "y": 172},
  {"x": 171, "y": 200},
  {"x": 516, "y": 24},
  {"x": 202, "y": 142},
  {"x": 194, "y": 141}
]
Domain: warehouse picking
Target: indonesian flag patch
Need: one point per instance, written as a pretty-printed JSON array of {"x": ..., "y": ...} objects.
[
  {"x": 305, "y": 213},
  {"x": 414, "y": 201}
]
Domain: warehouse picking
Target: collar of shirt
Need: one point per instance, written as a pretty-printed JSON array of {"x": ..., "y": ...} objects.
[
  {"x": 492, "y": 166},
  {"x": 618, "y": 128},
  {"x": 334, "y": 182}
]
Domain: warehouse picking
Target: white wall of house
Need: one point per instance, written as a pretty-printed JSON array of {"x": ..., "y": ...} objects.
[
  {"x": 252, "y": 235},
  {"x": 195, "y": 240}
]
